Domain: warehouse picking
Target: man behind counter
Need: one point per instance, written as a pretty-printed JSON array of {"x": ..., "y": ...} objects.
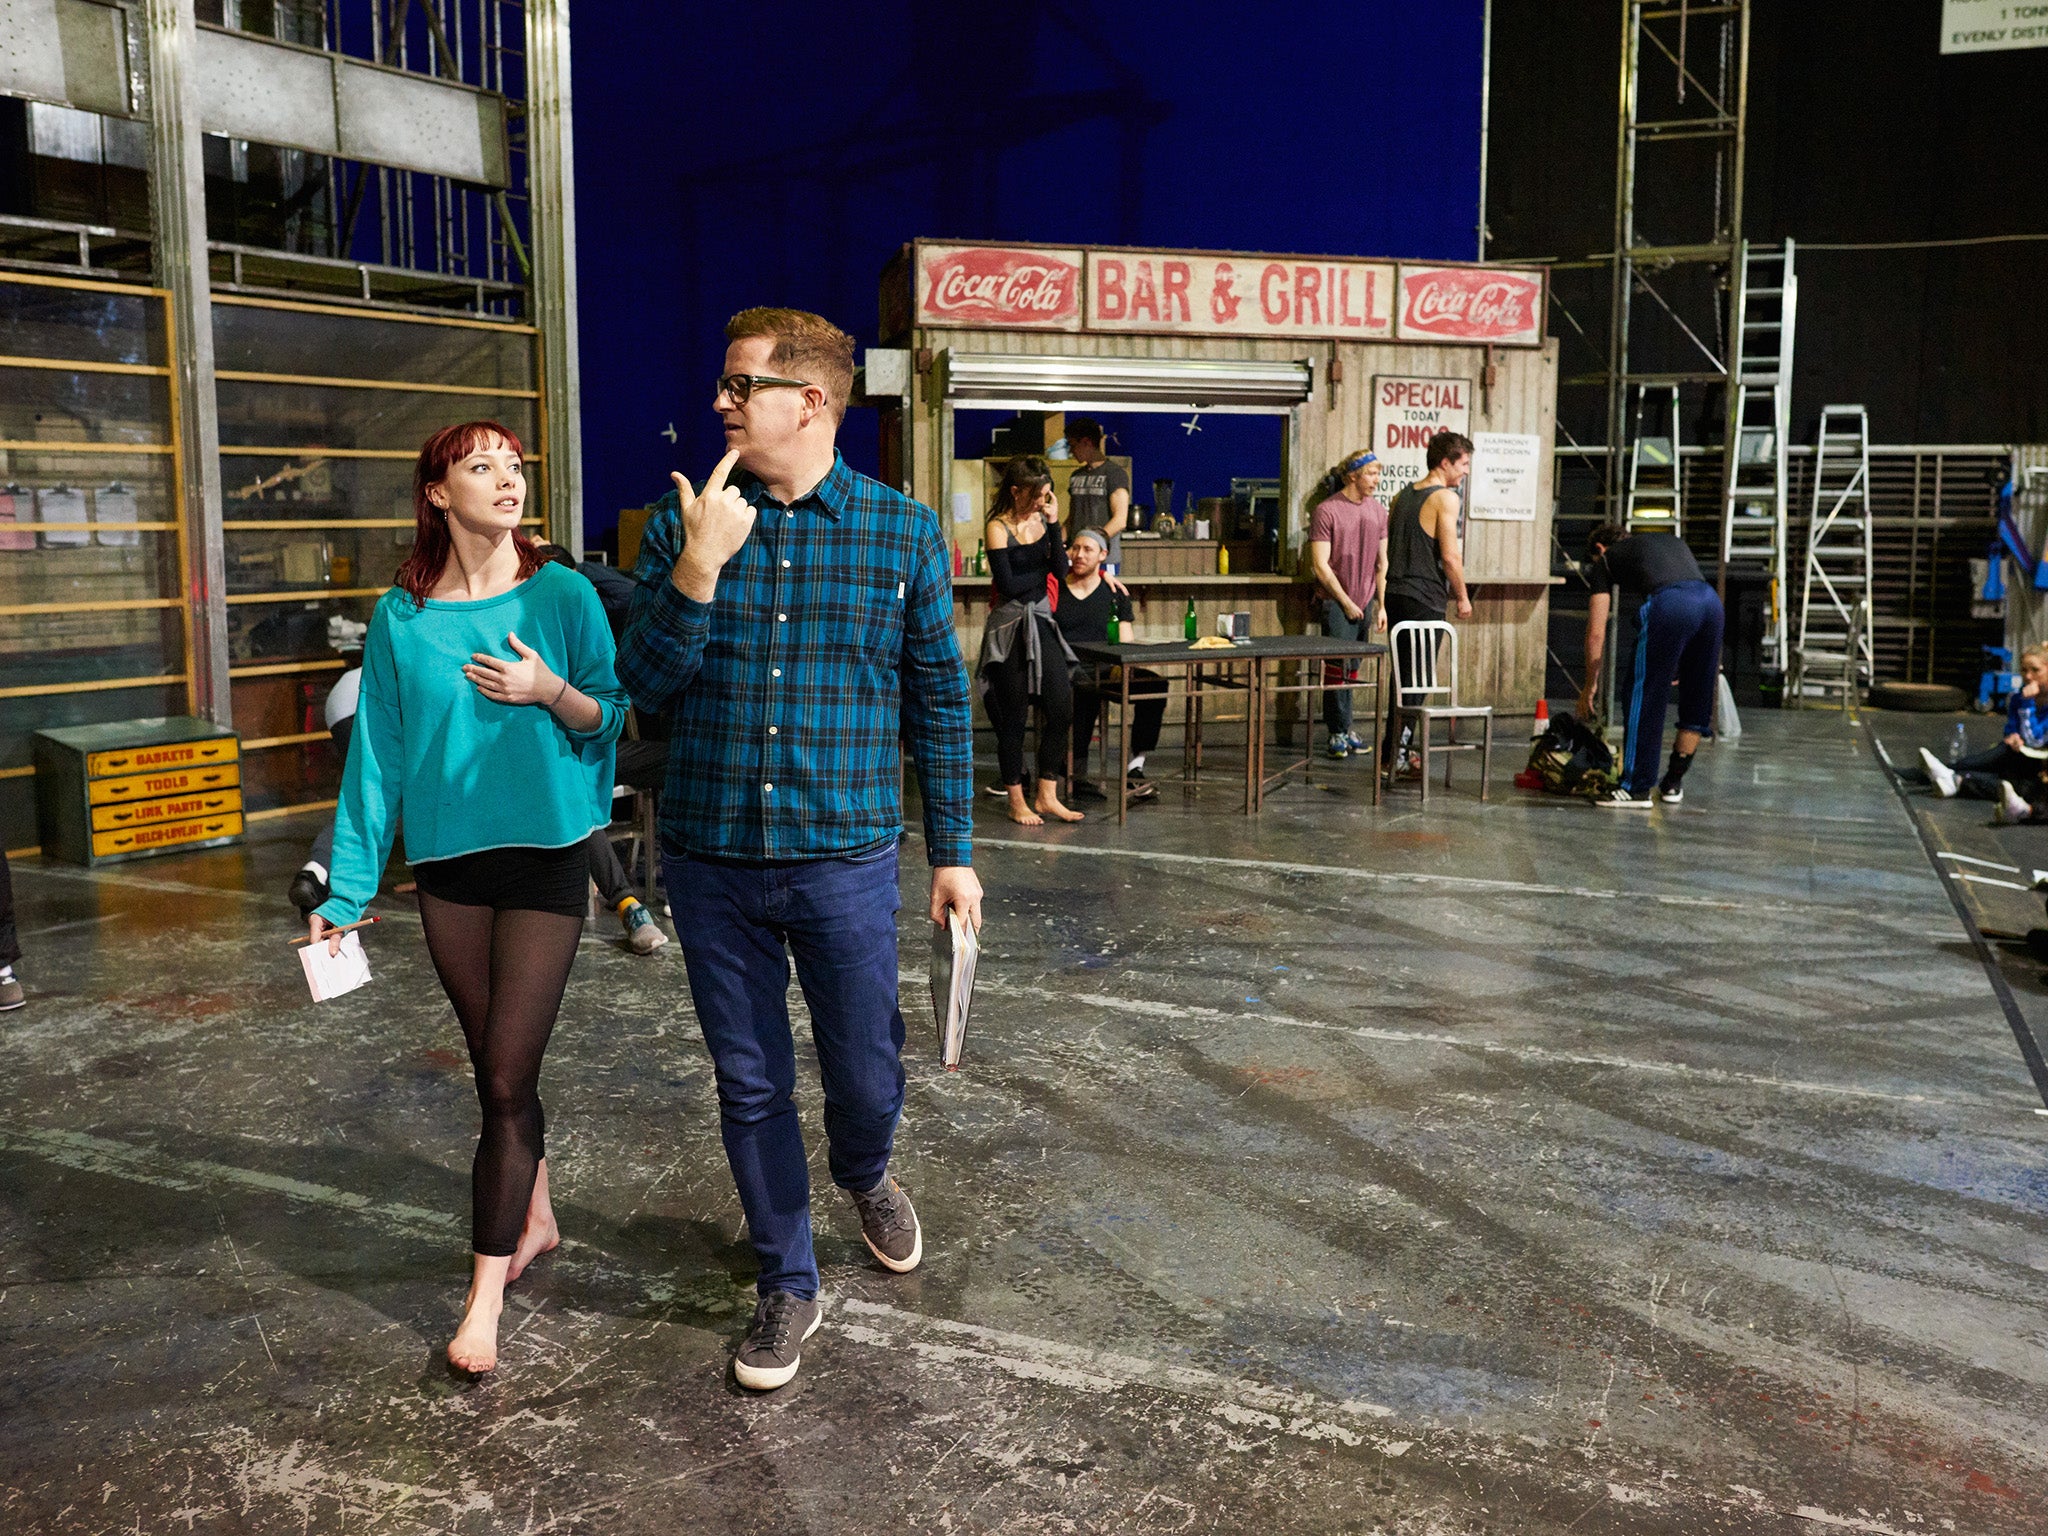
[
  {"x": 1087, "y": 598},
  {"x": 1099, "y": 494}
]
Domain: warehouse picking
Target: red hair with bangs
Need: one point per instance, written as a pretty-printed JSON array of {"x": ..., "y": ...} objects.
[{"x": 420, "y": 572}]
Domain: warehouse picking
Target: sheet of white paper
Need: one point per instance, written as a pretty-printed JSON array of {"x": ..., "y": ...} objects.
[
  {"x": 115, "y": 504},
  {"x": 62, "y": 504},
  {"x": 331, "y": 975}
]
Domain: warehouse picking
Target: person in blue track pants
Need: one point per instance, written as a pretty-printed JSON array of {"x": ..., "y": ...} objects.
[{"x": 1678, "y": 639}]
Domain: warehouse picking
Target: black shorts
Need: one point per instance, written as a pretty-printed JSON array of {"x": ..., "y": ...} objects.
[{"x": 512, "y": 879}]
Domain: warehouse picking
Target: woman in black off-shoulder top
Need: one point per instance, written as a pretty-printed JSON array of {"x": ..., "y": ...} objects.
[{"x": 1023, "y": 655}]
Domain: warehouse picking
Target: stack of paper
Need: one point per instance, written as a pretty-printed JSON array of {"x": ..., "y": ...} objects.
[
  {"x": 116, "y": 504},
  {"x": 954, "y": 952},
  {"x": 17, "y": 506},
  {"x": 331, "y": 975},
  {"x": 62, "y": 504}
]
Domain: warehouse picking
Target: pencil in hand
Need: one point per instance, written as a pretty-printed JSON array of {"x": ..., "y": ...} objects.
[{"x": 307, "y": 938}]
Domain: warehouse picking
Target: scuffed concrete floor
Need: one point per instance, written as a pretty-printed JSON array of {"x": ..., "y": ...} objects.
[{"x": 1507, "y": 1168}]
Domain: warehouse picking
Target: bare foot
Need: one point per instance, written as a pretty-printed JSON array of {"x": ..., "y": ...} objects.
[
  {"x": 1021, "y": 813},
  {"x": 1049, "y": 804},
  {"x": 474, "y": 1348},
  {"x": 540, "y": 1234}
]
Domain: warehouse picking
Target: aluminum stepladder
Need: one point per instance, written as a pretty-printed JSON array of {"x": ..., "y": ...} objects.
[
  {"x": 1832, "y": 655},
  {"x": 1653, "y": 499},
  {"x": 1754, "y": 520}
]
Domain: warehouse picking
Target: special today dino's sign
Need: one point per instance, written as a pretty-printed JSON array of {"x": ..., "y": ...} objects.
[{"x": 1226, "y": 294}]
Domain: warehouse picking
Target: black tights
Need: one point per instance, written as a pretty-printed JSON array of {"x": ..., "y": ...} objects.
[
  {"x": 1009, "y": 706},
  {"x": 504, "y": 972}
]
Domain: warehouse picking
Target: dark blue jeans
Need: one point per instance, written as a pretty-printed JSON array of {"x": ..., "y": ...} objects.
[
  {"x": 1678, "y": 638},
  {"x": 1337, "y": 701},
  {"x": 738, "y": 926}
]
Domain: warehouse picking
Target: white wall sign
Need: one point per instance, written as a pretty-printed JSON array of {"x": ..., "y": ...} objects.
[
  {"x": 1406, "y": 413},
  {"x": 1984, "y": 26},
  {"x": 1504, "y": 475}
]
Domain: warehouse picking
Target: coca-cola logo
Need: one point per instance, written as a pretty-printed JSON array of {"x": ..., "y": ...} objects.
[
  {"x": 1469, "y": 305},
  {"x": 998, "y": 287}
]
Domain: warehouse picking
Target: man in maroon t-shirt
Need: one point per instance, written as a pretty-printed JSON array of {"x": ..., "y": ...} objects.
[{"x": 1347, "y": 551}]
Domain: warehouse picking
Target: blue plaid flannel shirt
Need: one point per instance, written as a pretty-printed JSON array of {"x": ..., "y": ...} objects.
[{"x": 830, "y": 634}]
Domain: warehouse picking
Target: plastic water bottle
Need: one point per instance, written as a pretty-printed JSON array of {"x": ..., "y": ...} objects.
[{"x": 1958, "y": 745}]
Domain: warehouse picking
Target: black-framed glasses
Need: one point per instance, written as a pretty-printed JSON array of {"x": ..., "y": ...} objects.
[{"x": 741, "y": 386}]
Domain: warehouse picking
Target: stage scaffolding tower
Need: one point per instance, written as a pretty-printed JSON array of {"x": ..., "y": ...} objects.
[{"x": 1678, "y": 172}]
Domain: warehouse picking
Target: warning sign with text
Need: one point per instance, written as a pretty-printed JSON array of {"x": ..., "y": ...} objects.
[{"x": 1987, "y": 26}]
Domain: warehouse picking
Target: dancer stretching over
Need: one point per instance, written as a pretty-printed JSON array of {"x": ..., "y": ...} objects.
[{"x": 488, "y": 712}]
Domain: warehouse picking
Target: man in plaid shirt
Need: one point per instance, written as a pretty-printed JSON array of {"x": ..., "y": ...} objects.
[{"x": 791, "y": 624}]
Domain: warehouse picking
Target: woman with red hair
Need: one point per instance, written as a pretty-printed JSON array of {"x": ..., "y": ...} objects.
[{"x": 488, "y": 711}]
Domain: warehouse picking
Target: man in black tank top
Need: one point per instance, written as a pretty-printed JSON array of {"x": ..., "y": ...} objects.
[{"x": 1425, "y": 562}]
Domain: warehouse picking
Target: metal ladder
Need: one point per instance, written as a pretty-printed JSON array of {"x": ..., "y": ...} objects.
[
  {"x": 1833, "y": 654},
  {"x": 1753, "y": 475},
  {"x": 1653, "y": 470}
]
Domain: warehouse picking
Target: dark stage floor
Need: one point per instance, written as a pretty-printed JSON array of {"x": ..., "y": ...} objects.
[{"x": 1509, "y": 1168}]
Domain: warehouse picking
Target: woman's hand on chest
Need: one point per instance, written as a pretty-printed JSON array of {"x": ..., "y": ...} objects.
[{"x": 527, "y": 680}]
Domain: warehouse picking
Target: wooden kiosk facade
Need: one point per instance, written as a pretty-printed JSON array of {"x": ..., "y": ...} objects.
[{"x": 1346, "y": 352}]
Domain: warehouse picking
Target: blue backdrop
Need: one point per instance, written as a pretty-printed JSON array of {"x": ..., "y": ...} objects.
[{"x": 757, "y": 155}]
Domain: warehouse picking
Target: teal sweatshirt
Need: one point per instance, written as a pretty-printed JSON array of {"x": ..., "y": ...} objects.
[{"x": 464, "y": 773}]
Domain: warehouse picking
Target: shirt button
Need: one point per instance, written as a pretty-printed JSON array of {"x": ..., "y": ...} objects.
[
  {"x": 778, "y": 671},
  {"x": 785, "y": 565},
  {"x": 782, "y": 618},
  {"x": 774, "y": 730},
  {"x": 789, "y": 514},
  {"x": 767, "y": 789}
]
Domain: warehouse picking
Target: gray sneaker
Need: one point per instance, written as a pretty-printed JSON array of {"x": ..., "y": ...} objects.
[
  {"x": 889, "y": 1225},
  {"x": 774, "y": 1345},
  {"x": 11, "y": 995}
]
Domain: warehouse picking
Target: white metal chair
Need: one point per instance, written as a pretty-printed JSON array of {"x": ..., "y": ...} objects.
[{"x": 1426, "y": 691}]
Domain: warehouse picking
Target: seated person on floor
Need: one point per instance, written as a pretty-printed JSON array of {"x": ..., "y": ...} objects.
[
  {"x": 1087, "y": 598},
  {"x": 2014, "y": 771}
]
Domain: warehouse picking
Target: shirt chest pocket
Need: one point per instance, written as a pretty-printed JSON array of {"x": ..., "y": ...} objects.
[{"x": 863, "y": 615}]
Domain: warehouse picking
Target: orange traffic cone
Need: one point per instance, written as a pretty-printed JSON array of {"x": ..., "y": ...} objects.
[{"x": 1542, "y": 723}]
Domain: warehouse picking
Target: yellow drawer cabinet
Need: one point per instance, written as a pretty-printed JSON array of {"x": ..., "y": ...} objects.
[{"x": 131, "y": 788}]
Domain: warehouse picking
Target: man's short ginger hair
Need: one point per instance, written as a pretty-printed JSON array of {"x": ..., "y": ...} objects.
[{"x": 807, "y": 347}]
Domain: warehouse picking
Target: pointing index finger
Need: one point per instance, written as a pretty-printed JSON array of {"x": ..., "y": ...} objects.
[{"x": 716, "y": 480}]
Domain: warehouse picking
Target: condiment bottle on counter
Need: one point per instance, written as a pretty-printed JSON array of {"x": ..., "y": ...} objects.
[
  {"x": 1222, "y": 560},
  {"x": 1189, "y": 626}
]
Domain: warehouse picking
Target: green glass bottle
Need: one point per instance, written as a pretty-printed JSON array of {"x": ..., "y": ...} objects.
[
  {"x": 1116, "y": 628},
  {"x": 1188, "y": 623}
]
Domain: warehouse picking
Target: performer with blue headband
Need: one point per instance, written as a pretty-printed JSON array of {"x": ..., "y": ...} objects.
[{"x": 1347, "y": 551}]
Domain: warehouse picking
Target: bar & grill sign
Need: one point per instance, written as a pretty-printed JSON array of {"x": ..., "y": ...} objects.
[
  {"x": 1239, "y": 295},
  {"x": 1009, "y": 287}
]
